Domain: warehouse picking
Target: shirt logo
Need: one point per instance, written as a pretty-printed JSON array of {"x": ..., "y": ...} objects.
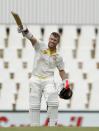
[
  {"x": 47, "y": 51},
  {"x": 44, "y": 52}
]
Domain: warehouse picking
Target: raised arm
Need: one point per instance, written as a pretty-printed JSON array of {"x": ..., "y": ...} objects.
[
  {"x": 23, "y": 30},
  {"x": 26, "y": 33}
]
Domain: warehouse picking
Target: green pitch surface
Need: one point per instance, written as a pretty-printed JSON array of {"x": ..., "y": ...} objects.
[{"x": 50, "y": 129}]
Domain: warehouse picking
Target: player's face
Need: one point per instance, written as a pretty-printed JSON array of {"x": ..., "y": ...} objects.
[{"x": 53, "y": 41}]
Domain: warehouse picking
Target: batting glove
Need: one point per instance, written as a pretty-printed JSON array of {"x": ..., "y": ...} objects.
[
  {"x": 65, "y": 83},
  {"x": 25, "y": 32},
  {"x": 66, "y": 92},
  {"x": 20, "y": 29}
]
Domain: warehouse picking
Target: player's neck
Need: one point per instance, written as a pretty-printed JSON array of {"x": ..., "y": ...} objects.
[{"x": 52, "y": 50}]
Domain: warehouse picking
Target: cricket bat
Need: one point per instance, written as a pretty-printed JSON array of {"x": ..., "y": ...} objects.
[{"x": 17, "y": 19}]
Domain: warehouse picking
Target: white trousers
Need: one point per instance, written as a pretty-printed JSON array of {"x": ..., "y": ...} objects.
[{"x": 44, "y": 87}]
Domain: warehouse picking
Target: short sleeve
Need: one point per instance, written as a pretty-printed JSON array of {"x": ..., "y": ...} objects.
[{"x": 60, "y": 63}]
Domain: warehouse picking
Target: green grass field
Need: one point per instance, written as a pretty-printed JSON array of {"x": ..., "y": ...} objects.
[{"x": 50, "y": 129}]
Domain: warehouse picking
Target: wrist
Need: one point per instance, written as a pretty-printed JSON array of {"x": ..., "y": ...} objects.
[
  {"x": 25, "y": 32},
  {"x": 28, "y": 35}
]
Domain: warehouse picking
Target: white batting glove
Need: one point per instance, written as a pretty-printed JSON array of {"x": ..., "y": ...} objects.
[
  {"x": 65, "y": 83},
  {"x": 25, "y": 32},
  {"x": 20, "y": 29}
]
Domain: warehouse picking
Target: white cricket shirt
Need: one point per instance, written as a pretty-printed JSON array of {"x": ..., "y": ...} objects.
[{"x": 44, "y": 62}]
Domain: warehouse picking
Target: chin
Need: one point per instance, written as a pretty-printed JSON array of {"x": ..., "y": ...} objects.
[{"x": 51, "y": 47}]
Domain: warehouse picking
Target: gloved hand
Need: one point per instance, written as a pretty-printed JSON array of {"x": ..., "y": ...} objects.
[
  {"x": 19, "y": 29},
  {"x": 65, "y": 83},
  {"x": 66, "y": 92},
  {"x": 22, "y": 29},
  {"x": 25, "y": 32}
]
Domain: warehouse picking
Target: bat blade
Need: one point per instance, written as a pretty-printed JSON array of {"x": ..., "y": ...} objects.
[{"x": 17, "y": 19}]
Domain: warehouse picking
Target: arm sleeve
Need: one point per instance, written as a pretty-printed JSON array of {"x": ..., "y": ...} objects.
[
  {"x": 38, "y": 45},
  {"x": 60, "y": 63}
]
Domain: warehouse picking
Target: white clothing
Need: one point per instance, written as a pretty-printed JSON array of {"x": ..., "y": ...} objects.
[
  {"x": 42, "y": 82},
  {"x": 44, "y": 63},
  {"x": 43, "y": 86}
]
